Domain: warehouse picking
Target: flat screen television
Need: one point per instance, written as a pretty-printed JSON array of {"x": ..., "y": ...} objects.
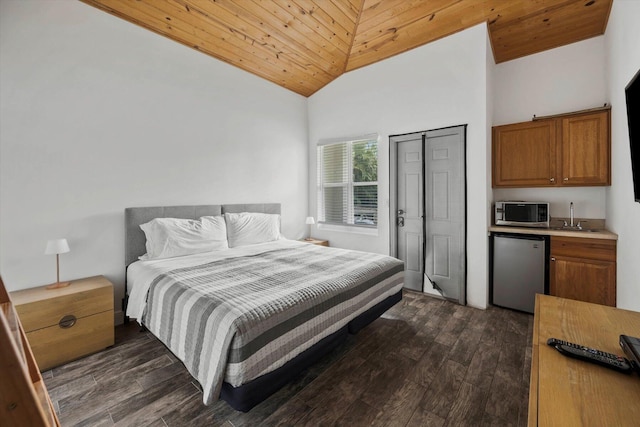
[{"x": 632, "y": 93}]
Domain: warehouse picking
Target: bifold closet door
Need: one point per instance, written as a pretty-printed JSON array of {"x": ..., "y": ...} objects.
[
  {"x": 409, "y": 214},
  {"x": 445, "y": 212}
]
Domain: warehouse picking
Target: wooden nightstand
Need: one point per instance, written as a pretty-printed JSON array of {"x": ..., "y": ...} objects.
[
  {"x": 316, "y": 242},
  {"x": 67, "y": 323}
]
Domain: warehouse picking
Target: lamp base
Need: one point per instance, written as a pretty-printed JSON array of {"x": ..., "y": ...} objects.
[{"x": 58, "y": 285}]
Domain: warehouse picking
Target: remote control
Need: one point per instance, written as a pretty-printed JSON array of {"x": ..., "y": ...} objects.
[{"x": 578, "y": 351}]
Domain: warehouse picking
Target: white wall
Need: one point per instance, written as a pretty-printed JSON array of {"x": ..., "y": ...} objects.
[
  {"x": 98, "y": 114},
  {"x": 438, "y": 85},
  {"x": 569, "y": 78},
  {"x": 491, "y": 93},
  {"x": 560, "y": 80},
  {"x": 622, "y": 41}
]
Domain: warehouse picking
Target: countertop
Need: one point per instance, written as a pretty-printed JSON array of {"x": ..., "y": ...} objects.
[{"x": 600, "y": 234}]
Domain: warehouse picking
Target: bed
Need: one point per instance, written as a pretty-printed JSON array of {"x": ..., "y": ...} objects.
[{"x": 248, "y": 318}]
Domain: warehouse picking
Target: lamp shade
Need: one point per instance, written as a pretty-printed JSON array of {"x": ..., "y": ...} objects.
[
  {"x": 57, "y": 246},
  {"x": 309, "y": 220}
]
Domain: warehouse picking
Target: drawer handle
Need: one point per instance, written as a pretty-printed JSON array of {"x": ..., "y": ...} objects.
[{"x": 67, "y": 321}]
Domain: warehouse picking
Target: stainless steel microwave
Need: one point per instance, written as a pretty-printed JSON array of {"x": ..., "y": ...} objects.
[{"x": 522, "y": 214}]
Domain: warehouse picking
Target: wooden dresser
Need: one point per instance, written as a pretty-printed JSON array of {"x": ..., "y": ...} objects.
[
  {"x": 569, "y": 392},
  {"x": 67, "y": 323}
]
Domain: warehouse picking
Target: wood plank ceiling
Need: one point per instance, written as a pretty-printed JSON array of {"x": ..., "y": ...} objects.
[{"x": 304, "y": 44}]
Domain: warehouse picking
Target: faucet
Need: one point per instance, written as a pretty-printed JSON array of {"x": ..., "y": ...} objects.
[
  {"x": 571, "y": 214},
  {"x": 572, "y": 219}
]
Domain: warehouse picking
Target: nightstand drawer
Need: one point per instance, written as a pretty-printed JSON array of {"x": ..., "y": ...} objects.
[
  {"x": 54, "y": 345},
  {"x": 40, "y": 308}
]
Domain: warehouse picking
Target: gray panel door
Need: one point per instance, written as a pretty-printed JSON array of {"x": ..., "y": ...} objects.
[
  {"x": 409, "y": 212},
  {"x": 445, "y": 214}
]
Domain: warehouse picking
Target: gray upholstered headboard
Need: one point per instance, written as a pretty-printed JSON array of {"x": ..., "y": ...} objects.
[{"x": 134, "y": 236}]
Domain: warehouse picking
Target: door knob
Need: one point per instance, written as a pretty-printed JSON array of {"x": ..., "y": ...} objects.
[{"x": 400, "y": 212}]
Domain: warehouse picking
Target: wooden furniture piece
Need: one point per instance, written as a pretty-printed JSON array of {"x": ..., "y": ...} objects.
[
  {"x": 67, "y": 323},
  {"x": 583, "y": 269},
  {"x": 318, "y": 242},
  {"x": 570, "y": 392},
  {"x": 24, "y": 400},
  {"x": 566, "y": 150}
]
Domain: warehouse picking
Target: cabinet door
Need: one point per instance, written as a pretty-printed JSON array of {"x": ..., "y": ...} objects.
[
  {"x": 524, "y": 154},
  {"x": 586, "y": 149},
  {"x": 583, "y": 279}
]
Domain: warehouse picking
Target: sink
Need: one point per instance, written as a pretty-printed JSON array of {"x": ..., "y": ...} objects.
[{"x": 568, "y": 228}]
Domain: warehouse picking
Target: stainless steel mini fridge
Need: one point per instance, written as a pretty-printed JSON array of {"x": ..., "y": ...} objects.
[{"x": 519, "y": 270}]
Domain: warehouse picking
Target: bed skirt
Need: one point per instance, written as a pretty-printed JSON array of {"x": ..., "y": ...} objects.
[{"x": 248, "y": 395}]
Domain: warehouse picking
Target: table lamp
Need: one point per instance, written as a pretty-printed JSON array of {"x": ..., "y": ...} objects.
[
  {"x": 309, "y": 221},
  {"x": 57, "y": 247}
]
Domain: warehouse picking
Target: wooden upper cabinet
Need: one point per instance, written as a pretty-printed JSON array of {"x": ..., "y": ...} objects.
[
  {"x": 586, "y": 149},
  {"x": 524, "y": 154},
  {"x": 566, "y": 150}
]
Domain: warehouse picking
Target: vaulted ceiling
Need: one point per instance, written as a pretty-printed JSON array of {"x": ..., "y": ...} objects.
[{"x": 304, "y": 44}]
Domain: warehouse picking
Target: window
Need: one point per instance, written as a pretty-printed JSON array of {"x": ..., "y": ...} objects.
[{"x": 348, "y": 182}]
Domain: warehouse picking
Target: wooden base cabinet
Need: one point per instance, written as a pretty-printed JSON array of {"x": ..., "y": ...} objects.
[
  {"x": 583, "y": 269},
  {"x": 67, "y": 323},
  {"x": 567, "y": 150}
]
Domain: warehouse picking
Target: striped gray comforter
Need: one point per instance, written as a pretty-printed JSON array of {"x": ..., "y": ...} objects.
[{"x": 239, "y": 318}]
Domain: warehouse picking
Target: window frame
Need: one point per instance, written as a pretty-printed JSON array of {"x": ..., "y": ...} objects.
[{"x": 349, "y": 185}]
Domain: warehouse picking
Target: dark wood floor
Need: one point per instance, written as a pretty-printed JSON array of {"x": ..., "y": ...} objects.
[{"x": 427, "y": 362}]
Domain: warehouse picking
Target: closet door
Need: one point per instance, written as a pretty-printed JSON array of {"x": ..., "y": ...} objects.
[
  {"x": 445, "y": 217},
  {"x": 409, "y": 213}
]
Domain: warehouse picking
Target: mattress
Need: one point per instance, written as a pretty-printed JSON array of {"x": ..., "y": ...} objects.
[{"x": 237, "y": 314}]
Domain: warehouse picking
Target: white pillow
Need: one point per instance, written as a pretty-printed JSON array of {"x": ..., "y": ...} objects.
[
  {"x": 249, "y": 228},
  {"x": 171, "y": 237}
]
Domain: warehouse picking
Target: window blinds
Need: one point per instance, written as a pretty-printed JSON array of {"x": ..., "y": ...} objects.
[{"x": 348, "y": 182}]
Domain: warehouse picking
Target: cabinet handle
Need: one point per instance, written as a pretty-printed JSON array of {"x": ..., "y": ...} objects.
[
  {"x": 552, "y": 179},
  {"x": 566, "y": 179},
  {"x": 67, "y": 321},
  {"x": 553, "y": 258}
]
